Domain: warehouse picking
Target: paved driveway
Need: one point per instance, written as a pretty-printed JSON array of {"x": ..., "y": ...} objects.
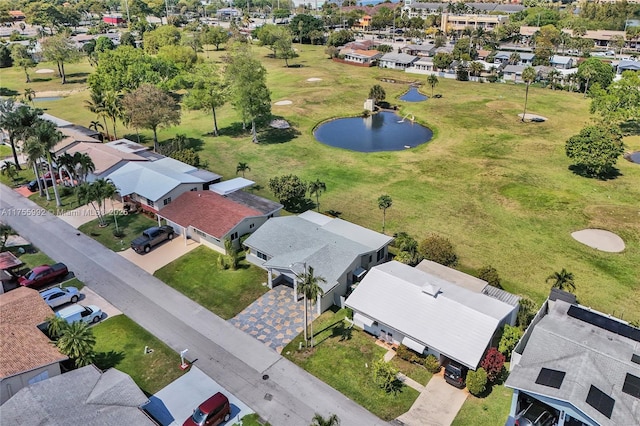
[
  {"x": 173, "y": 404},
  {"x": 85, "y": 214},
  {"x": 161, "y": 255},
  {"x": 437, "y": 405},
  {"x": 274, "y": 319}
]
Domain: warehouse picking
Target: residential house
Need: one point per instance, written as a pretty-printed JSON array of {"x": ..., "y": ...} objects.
[
  {"x": 362, "y": 45},
  {"x": 71, "y": 138},
  {"x": 152, "y": 185},
  {"x": 105, "y": 158},
  {"x": 26, "y": 353},
  {"x": 398, "y": 61},
  {"x": 431, "y": 315},
  {"x": 339, "y": 251},
  {"x": 420, "y": 50},
  {"x": 503, "y": 57},
  {"x": 513, "y": 73},
  {"x": 210, "y": 218},
  {"x": 360, "y": 57},
  {"x": 562, "y": 62},
  {"x": 422, "y": 66},
  {"x": 627, "y": 65},
  {"x": 581, "y": 365},
  {"x": 526, "y": 58},
  {"x": 86, "y": 396},
  {"x": 363, "y": 23}
]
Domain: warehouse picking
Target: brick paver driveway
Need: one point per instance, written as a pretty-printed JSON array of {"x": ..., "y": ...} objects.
[{"x": 274, "y": 319}]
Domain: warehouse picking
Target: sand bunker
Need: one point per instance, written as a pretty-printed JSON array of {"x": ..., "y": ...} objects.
[
  {"x": 44, "y": 71},
  {"x": 285, "y": 102},
  {"x": 314, "y": 79},
  {"x": 600, "y": 239}
]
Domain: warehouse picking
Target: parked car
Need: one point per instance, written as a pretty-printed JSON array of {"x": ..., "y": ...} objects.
[
  {"x": 151, "y": 238},
  {"x": 535, "y": 415},
  {"x": 33, "y": 185},
  {"x": 455, "y": 374},
  {"x": 88, "y": 314},
  {"x": 59, "y": 296},
  {"x": 43, "y": 274},
  {"x": 213, "y": 411}
]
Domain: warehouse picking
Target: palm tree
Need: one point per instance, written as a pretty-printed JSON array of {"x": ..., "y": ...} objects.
[
  {"x": 96, "y": 193},
  {"x": 84, "y": 165},
  {"x": 77, "y": 342},
  {"x": 113, "y": 109},
  {"x": 10, "y": 170},
  {"x": 514, "y": 58},
  {"x": 476, "y": 68},
  {"x": 242, "y": 167},
  {"x": 95, "y": 125},
  {"x": 528, "y": 76},
  {"x": 553, "y": 76},
  {"x": 317, "y": 188},
  {"x": 433, "y": 82},
  {"x": 97, "y": 106},
  {"x": 332, "y": 420},
  {"x": 17, "y": 122},
  {"x": 56, "y": 326},
  {"x": 563, "y": 280},
  {"x": 46, "y": 134},
  {"x": 384, "y": 202},
  {"x": 309, "y": 286},
  {"x": 29, "y": 94},
  {"x": 67, "y": 163},
  {"x": 33, "y": 150}
]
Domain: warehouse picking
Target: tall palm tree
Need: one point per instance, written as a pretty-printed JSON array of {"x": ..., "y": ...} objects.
[
  {"x": 384, "y": 202},
  {"x": 48, "y": 136},
  {"x": 563, "y": 280},
  {"x": 528, "y": 76},
  {"x": 33, "y": 150},
  {"x": 554, "y": 75},
  {"x": 29, "y": 94},
  {"x": 66, "y": 162},
  {"x": 433, "y": 82},
  {"x": 113, "y": 109},
  {"x": 10, "y": 170},
  {"x": 96, "y": 194},
  {"x": 84, "y": 165},
  {"x": 17, "y": 122},
  {"x": 332, "y": 420},
  {"x": 476, "y": 68},
  {"x": 97, "y": 126},
  {"x": 242, "y": 167},
  {"x": 309, "y": 286},
  {"x": 77, "y": 342},
  {"x": 317, "y": 188},
  {"x": 97, "y": 106}
]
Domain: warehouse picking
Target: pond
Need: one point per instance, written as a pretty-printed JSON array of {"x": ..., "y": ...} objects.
[
  {"x": 384, "y": 131},
  {"x": 634, "y": 157},
  {"x": 48, "y": 98},
  {"x": 413, "y": 95}
]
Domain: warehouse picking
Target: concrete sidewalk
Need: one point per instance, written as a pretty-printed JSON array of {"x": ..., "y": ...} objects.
[{"x": 278, "y": 390}]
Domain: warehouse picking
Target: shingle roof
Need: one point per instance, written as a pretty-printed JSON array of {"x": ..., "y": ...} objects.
[
  {"x": 399, "y": 58},
  {"x": 263, "y": 205},
  {"x": 589, "y": 355},
  {"x": 89, "y": 397},
  {"x": 457, "y": 322},
  {"x": 23, "y": 347},
  {"x": 207, "y": 211}
]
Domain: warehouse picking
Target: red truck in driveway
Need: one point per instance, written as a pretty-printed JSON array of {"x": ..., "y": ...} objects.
[{"x": 44, "y": 274}]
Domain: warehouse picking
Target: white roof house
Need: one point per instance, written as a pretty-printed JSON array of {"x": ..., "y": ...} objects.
[{"x": 427, "y": 313}]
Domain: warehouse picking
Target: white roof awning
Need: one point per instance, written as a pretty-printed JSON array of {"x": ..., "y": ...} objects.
[
  {"x": 231, "y": 185},
  {"x": 412, "y": 344},
  {"x": 359, "y": 272},
  {"x": 362, "y": 319}
]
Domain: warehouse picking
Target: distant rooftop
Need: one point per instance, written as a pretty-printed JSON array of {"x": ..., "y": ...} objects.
[{"x": 228, "y": 186}]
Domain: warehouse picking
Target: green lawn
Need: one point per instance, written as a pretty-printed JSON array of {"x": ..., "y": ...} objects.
[
  {"x": 120, "y": 343},
  {"x": 31, "y": 260},
  {"x": 500, "y": 189},
  {"x": 132, "y": 225},
  {"x": 342, "y": 358},
  {"x": 413, "y": 370},
  {"x": 198, "y": 276},
  {"x": 73, "y": 282},
  {"x": 68, "y": 199},
  {"x": 488, "y": 411},
  {"x": 252, "y": 420}
]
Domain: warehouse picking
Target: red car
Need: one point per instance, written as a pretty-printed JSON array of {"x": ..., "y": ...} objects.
[
  {"x": 214, "y": 411},
  {"x": 43, "y": 274}
]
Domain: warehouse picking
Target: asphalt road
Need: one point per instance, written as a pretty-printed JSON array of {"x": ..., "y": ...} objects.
[{"x": 289, "y": 397}]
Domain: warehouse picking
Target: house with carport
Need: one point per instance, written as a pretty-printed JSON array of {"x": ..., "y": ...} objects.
[
  {"x": 105, "y": 158},
  {"x": 26, "y": 353},
  {"x": 153, "y": 185},
  {"x": 339, "y": 251},
  {"x": 401, "y": 304},
  {"x": 580, "y": 365},
  {"x": 210, "y": 218},
  {"x": 396, "y": 61}
]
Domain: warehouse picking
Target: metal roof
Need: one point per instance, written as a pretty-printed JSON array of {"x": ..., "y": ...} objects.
[
  {"x": 231, "y": 185},
  {"x": 455, "y": 321}
]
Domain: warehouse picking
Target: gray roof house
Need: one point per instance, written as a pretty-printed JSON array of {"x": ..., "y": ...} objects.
[
  {"x": 627, "y": 65},
  {"x": 513, "y": 73},
  {"x": 85, "y": 396},
  {"x": 431, "y": 315},
  {"x": 581, "y": 365},
  {"x": 398, "y": 61},
  {"x": 339, "y": 251},
  {"x": 564, "y": 62}
]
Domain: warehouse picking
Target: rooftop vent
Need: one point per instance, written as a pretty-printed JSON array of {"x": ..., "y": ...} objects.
[{"x": 430, "y": 289}]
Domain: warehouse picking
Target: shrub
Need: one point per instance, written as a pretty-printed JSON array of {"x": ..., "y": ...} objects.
[
  {"x": 404, "y": 353},
  {"x": 432, "y": 364},
  {"x": 438, "y": 249},
  {"x": 477, "y": 381},
  {"x": 527, "y": 312},
  {"x": 384, "y": 375},
  {"x": 490, "y": 275},
  {"x": 118, "y": 233},
  {"x": 509, "y": 339},
  {"x": 65, "y": 191},
  {"x": 493, "y": 363}
]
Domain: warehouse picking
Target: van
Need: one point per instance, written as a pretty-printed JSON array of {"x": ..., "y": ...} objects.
[
  {"x": 455, "y": 374},
  {"x": 212, "y": 412},
  {"x": 87, "y": 314}
]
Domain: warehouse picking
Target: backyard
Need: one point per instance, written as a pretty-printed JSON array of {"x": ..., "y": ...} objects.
[
  {"x": 354, "y": 352},
  {"x": 498, "y": 188},
  {"x": 224, "y": 292}
]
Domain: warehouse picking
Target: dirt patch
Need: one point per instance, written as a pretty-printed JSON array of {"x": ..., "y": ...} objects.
[
  {"x": 600, "y": 239},
  {"x": 56, "y": 93}
]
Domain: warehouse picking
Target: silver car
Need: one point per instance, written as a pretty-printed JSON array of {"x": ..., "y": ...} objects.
[
  {"x": 535, "y": 415},
  {"x": 58, "y": 296}
]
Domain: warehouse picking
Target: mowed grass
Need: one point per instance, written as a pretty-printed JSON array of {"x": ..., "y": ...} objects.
[
  {"x": 224, "y": 292},
  {"x": 132, "y": 225},
  {"x": 487, "y": 411},
  {"x": 120, "y": 343},
  {"x": 342, "y": 358},
  {"x": 498, "y": 188}
]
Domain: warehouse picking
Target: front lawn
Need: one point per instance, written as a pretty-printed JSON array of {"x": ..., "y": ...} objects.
[
  {"x": 68, "y": 199},
  {"x": 342, "y": 358},
  {"x": 491, "y": 409},
  {"x": 132, "y": 225},
  {"x": 120, "y": 343},
  {"x": 224, "y": 292},
  {"x": 412, "y": 370}
]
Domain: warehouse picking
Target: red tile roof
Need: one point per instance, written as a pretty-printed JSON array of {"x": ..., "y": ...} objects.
[
  {"x": 8, "y": 260},
  {"x": 207, "y": 211}
]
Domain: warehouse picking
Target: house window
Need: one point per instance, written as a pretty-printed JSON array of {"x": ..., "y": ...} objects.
[
  {"x": 380, "y": 255},
  {"x": 149, "y": 202},
  {"x": 261, "y": 255},
  {"x": 251, "y": 226},
  {"x": 167, "y": 201},
  {"x": 234, "y": 236}
]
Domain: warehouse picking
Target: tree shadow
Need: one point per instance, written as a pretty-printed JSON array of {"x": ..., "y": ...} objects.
[
  {"x": 298, "y": 205},
  {"x": 630, "y": 128},
  {"x": 333, "y": 213},
  {"x": 137, "y": 137},
  {"x": 342, "y": 332},
  {"x": 77, "y": 78},
  {"x": 235, "y": 130},
  {"x": 612, "y": 173},
  {"x": 276, "y": 136},
  {"x": 8, "y": 92},
  {"x": 107, "y": 360}
]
